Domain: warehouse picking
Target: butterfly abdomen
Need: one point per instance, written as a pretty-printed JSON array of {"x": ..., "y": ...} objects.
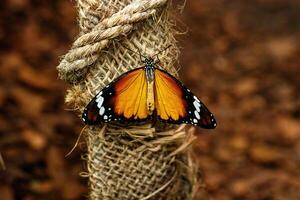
[
  {"x": 150, "y": 98},
  {"x": 149, "y": 70}
]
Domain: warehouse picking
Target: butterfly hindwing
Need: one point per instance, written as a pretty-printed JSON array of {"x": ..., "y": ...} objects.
[
  {"x": 176, "y": 104},
  {"x": 124, "y": 99}
]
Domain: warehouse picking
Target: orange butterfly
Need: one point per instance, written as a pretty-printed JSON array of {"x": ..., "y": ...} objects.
[{"x": 145, "y": 93}]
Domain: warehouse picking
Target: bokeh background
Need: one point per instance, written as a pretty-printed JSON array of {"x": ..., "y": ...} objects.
[{"x": 241, "y": 57}]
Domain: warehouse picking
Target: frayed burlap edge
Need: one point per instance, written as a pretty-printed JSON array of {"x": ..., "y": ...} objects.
[{"x": 137, "y": 162}]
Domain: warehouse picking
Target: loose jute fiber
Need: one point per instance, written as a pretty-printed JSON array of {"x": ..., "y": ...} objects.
[{"x": 134, "y": 162}]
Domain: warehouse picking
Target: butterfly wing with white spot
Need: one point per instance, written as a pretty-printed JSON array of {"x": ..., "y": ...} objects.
[
  {"x": 123, "y": 100},
  {"x": 176, "y": 104}
]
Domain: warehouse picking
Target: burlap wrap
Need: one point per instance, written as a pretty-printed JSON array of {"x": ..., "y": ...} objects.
[{"x": 138, "y": 162}]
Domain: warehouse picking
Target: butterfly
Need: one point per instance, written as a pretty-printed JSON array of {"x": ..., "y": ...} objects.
[{"x": 147, "y": 93}]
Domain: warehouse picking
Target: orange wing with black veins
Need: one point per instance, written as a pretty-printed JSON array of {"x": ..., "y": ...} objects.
[
  {"x": 130, "y": 98},
  {"x": 169, "y": 102}
]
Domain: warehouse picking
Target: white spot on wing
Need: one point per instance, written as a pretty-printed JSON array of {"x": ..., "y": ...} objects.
[
  {"x": 100, "y": 101},
  {"x": 102, "y": 110},
  {"x": 99, "y": 94},
  {"x": 196, "y": 99},
  {"x": 197, "y": 114},
  {"x": 105, "y": 117},
  {"x": 197, "y": 106},
  {"x": 195, "y": 121}
]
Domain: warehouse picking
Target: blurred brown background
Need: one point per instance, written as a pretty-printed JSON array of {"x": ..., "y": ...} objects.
[{"x": 240, "y": 57}]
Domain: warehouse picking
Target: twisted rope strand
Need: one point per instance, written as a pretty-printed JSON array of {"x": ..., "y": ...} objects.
[{"x": 86, "y": 48}]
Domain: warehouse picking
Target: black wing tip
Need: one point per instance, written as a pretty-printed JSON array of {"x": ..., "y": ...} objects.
[
  {"x": 86, "y": 120},
  {"x": 213, "y": 123},
  {"x": 208, "y": 121},
  {"x": 211, "y": 126}
]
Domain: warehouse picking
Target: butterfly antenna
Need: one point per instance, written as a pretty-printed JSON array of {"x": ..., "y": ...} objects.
[
  {"x": 162, "y": 50},
  {"x": 136, "y": 52}
]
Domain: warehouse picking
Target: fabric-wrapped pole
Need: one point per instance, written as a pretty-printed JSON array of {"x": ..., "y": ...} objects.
[{"x": 137, "y": 162}]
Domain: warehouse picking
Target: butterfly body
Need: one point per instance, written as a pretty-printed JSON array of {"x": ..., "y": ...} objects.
[{"x": 144, "y": 94}]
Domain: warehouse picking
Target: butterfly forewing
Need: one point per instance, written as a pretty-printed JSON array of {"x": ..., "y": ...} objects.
[
  {"x": 122, "y": 100},
  {"x": 176, "y": 104}
]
